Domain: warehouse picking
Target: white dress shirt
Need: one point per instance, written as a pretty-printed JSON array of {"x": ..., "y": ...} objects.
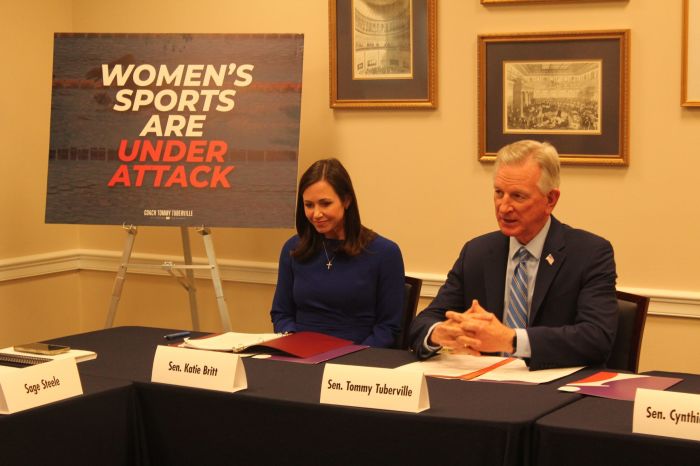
[{"x": 534, "y": 247}]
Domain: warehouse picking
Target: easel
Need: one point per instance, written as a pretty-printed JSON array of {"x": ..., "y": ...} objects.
[{"x": 185, "y": 279}]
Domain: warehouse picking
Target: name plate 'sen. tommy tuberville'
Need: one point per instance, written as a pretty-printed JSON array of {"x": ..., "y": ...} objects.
[
  {"x": 372, "y": 387},
  {"x": 28, "y": 387},
  {"x": 211, "y": 370},
  {"x": 669, "y": 414}
]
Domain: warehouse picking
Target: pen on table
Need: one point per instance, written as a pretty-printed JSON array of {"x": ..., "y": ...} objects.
[{"x": 175, "y": 336}]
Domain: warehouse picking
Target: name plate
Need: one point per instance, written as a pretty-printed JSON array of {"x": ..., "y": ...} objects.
[
  {"x": 28, "y": 387},
  {"x": 669, "y": 414},
  {"x": 372, "y": 387},
  {"x": 211, "y": 370}
]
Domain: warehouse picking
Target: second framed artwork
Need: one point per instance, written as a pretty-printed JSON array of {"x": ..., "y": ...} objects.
[
  {"x": 568, "y": 88},
  {"x": 383, "y": 53},
  {"x": 504, "y": 2}
]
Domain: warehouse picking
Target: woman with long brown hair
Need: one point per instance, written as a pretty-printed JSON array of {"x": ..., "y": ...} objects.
[{"x": 336, "y": 276}]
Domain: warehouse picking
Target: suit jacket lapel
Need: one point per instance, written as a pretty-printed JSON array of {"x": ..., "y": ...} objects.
[
  {"x": 495, "y": 273},
  {"x": 554, "y": 245}
]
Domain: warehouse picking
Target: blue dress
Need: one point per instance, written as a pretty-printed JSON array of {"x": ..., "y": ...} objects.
[{"x": 360, "y": 298}]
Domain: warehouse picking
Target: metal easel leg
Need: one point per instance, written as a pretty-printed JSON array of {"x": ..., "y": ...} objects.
[
  {"x": 189, "y": 273},
  {"x": 216, "y": 278},
  {"x": 121, "y": 274}
]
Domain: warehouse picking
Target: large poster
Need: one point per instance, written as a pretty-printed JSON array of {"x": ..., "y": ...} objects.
[{"x": 175, "y": 129}]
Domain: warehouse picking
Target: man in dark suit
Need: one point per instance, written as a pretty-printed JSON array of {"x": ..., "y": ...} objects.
[{"x": 536, "y": 289}]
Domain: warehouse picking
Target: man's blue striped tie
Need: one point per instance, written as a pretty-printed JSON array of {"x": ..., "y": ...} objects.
[{"x": 517, "y": 306}]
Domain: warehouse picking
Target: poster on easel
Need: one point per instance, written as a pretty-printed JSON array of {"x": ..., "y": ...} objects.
[{"x": 174, "y": 129}]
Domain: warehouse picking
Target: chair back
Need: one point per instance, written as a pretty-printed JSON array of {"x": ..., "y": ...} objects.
[
  {"x": 412, "y": 288},
  {"x": 632, "y": 315}
]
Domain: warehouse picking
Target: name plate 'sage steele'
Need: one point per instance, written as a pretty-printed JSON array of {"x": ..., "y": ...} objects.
[{"x": 44, "y": 384}]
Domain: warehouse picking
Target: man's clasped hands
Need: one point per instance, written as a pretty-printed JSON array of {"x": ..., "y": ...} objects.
[{"x": 474, "y": 331}]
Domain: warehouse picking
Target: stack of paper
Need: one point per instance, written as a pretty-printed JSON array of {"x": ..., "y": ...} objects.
[
  {"x": 490, "y": 368},
  {"x": 229, "y": 341}
]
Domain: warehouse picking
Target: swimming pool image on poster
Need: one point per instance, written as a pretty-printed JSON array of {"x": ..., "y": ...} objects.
[{"x": 175, "y": 129}]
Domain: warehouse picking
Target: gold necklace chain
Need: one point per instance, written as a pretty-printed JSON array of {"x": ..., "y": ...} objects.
[{"x": 329, "y": 264}]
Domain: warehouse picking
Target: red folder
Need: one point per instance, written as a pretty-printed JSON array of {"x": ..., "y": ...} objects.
[{"x": 304, "y": 344}]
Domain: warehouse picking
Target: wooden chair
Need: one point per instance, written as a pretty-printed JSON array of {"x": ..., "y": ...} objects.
[
  {"x": 411, "y": 295},
  {"x": 632, "y": 315}
]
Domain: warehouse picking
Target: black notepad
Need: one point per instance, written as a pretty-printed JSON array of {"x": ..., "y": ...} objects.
[{"x": 21, "y": 360}]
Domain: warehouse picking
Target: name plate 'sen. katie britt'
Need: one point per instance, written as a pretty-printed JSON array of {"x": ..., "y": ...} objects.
[
  {"x": 28, "y": 387},
  {"x": 372, "y": 387},
  {"x": 211, "y": 370},
  {"x": 669, "y": 414}
]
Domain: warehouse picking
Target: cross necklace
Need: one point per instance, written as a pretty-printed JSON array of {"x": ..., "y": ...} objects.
[{"x": 329, "y": 264}]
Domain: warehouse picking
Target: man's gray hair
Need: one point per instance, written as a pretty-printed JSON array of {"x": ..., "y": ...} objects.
[{"x": 543, "y": 153}]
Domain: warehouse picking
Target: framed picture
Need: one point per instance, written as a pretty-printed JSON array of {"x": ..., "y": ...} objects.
[
  {"x": 383, "y": 53},
  {"x": 503, "y": 2},
  {"x": 690, "y": 76},
  {"x": 568, "y": 88}
]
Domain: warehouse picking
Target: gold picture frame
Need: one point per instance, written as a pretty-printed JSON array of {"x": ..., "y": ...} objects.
[
  {"x": 568, "y": 88},
  {"x": 512, "y": 2},
  {"x": 383, "y": 54},
  {"x": 690, "y": 74}
]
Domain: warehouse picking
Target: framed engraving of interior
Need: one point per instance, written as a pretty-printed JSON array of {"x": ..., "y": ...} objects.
[
  {"x": 383, "y": 53},
  {"x": 690, "y": 75},
  {"x": 568, "y": 88}
]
